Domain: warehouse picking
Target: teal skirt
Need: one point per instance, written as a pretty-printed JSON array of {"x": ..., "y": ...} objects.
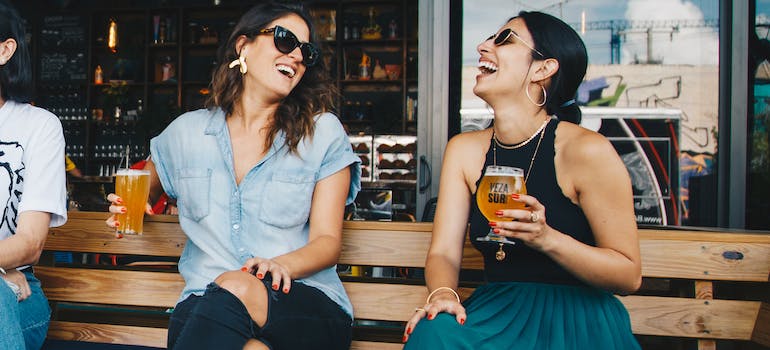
[{"x": 529, "y": 316}]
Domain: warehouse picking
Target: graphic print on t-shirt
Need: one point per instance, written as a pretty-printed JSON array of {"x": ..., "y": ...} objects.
[{"x": 11, "y": 184}]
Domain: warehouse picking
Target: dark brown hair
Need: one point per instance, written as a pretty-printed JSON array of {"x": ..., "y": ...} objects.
[
  {"x": 313, "y": 95},
  {"x": 558, "y": 40}
]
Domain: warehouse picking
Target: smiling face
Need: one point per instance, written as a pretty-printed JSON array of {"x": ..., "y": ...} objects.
[
  {"x": 505, "y": 69},
  {"x": 270, "y": 71}
]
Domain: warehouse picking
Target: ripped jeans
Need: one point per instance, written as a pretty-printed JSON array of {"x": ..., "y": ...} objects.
[{"x": 23, "y": 325}]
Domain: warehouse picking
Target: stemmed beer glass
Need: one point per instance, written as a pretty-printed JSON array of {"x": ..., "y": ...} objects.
[{"x": 494, "y": 193}]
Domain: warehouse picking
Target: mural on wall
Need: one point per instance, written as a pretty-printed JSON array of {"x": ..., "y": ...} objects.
[{"x": 693, "y": 91}]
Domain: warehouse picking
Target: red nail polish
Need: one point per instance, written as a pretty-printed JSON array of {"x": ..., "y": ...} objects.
[
  {"x": 286, "y": 290},
  {"x": 403, "y": 340},
  {"x": 462, "y": 321},
  {"x": 515, "y": 196},
  {"x": 117, "y": 223},
  {"x": 275, "y": 287},
  {"x": 244, "y": 269},
  {"x": 123, "y": 210},
  {"x": 430, "y": 317},
  {"x": 119, "y": 201},
  {"x": 259, "y": 275},
  {"x": 492, "y": 224},
  {"x": 120, "y": 235},
  {"x": 409, "y": 330},
  {"x": 499, "y": 212},
  {"x": 497, "y": 230}
]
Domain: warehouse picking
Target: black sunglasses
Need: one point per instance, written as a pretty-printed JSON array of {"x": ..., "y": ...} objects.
[
  {"x": 506, "y": 35},
  {"x": 285, "y": 41}
]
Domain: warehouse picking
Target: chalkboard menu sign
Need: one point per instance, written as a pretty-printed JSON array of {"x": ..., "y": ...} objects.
[
  {"x": 63, "y": 31},
  {"x": 63, "y": 66},
  {"x": 63, "y": 49}
]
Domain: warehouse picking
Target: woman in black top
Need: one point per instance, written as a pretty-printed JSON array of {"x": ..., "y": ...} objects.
[{"x": 575, "y": 244}]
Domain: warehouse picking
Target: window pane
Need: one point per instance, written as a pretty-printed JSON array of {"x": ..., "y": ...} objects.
[
  {"x": 757, "y": 205},
  {"x": 652, "y": 87}
]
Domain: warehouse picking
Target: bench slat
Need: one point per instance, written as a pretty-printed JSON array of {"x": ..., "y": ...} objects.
[
  {"x": 161, "y": 289},
  {"x": 107, "y": 333},
  {"x": 152, "y": 337},
  {"x": 725, "y": 261},
  {"x": 369, "y": 345},
  {"x": 93, "y": 236},
  {"x": 692, "y": 318}
]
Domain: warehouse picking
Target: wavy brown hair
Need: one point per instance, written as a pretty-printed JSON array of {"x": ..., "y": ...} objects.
[{"x": 313, "y": 95}]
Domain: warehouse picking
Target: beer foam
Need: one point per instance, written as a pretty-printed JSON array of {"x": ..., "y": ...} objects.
[{"x": 132, "y": 172}]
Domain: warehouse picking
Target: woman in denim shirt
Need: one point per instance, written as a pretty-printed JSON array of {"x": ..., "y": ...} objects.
[{"x": 261, "y": 179}]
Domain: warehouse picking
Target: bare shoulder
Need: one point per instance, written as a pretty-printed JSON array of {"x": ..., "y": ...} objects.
[
  {"x": 579, "y": 144},
  {"x": 469, "y": 143}
]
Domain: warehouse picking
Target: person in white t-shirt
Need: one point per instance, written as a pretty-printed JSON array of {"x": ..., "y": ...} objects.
[{"x": 32, "y": 190}]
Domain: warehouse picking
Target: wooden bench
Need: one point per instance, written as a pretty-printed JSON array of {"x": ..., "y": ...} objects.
[{"x": 698, "y": 260}]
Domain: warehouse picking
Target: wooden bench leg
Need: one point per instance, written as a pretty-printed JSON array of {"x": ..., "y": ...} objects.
[{"x": 705, "y": 290}]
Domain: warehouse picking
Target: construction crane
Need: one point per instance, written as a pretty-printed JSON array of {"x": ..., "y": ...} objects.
[{"x": 619, "y": 28}]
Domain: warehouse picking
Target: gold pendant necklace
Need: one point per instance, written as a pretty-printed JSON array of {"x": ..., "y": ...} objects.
[
  {"x": 540, "y": 131},
  {"x": 500, "y": 254}
]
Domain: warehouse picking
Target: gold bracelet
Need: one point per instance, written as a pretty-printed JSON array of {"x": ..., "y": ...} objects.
[{"x": 427, "y": 301}]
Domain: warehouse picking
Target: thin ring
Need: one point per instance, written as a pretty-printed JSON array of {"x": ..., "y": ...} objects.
[
  {"x": 419, "y": 309},
  {"x": 534, "y": 217}
]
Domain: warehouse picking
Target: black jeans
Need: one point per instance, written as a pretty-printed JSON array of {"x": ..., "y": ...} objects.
[{"x": 303, "y": 319}]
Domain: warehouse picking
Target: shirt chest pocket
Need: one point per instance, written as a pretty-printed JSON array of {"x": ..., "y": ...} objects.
[
  {"x": 286, "y": 200},
  {"x": 193, "y": 190}
]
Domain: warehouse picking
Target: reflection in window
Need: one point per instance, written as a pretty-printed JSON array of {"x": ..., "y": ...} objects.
[
  {"x": 757, "y": 205},
  {"x": 652, "y": 79}
]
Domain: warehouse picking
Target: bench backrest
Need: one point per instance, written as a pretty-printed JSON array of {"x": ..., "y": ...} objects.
[{"x": 699, "y": 256}]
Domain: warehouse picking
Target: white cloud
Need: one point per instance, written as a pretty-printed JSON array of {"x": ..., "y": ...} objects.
[{"x": 696, "y": 46}]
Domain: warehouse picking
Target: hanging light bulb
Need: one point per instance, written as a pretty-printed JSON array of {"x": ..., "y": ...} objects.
[{"x": 112, "y": 37}]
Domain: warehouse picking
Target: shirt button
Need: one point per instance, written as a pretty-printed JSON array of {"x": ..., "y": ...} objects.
[{"x": 236, "y": 226}]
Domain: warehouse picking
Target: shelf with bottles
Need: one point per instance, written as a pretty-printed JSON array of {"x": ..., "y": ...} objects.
[
  {"x": 164, "y": 28},
  {"x": 208, "y": 27},
  {"x": 364, "y": 64}
]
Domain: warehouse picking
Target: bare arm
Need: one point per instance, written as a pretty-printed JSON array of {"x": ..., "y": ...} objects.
[
  {"x": 460, "y": 168},
  {"x": 155, "y": 187},
  {"x": 327, "y": 211},
  {"x": 324, "y": 238},
  {"x": 442, "y": 265},
  {"x": 25, "y": 246},
  {"x": 604, "y": 193}
]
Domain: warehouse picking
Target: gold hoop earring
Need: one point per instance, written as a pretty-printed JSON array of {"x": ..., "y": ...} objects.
[
  {"x": 545, "y": 96},
  {"x": 240, "y": 62}
]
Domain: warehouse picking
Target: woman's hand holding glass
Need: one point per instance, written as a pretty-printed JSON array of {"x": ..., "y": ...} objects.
[
  {"x": 117, "y": 207},
  {"x": 527, "y": 225}
]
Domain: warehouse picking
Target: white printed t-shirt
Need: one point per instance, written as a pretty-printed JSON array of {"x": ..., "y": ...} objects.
[{"x": 31, "y": 165}]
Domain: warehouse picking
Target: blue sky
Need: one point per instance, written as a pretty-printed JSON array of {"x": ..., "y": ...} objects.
[{"x": 696, "y": 46}]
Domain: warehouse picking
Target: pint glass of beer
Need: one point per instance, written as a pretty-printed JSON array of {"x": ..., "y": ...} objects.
[
  {"x": 133, "y": 186},
  {"x": 494, "y": 193}
]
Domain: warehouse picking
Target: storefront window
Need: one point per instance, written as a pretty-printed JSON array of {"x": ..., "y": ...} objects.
[{"x": 652, "y": 88}]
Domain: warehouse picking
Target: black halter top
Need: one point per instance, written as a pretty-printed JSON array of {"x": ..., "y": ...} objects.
[{"x": 522, "y": 263}]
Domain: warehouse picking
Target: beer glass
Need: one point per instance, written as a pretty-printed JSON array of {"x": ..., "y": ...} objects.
[
  {"x": 494, "y": 193},
  {"x": 133, "y": 186}
]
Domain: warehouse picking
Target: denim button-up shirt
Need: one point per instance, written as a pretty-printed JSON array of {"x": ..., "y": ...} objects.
[{"x": 266, "y": 215}]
